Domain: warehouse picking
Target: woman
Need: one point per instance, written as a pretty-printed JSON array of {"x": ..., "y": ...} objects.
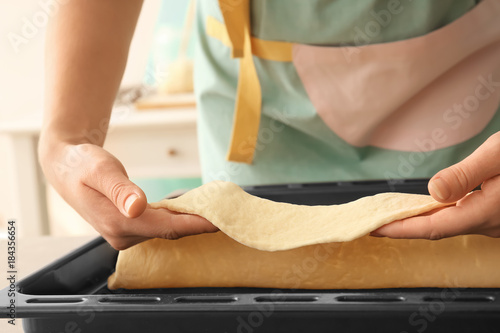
[{"x": 293, "y": 91}]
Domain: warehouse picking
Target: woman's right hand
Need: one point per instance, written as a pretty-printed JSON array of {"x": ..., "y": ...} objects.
[{"x": 96, "y": 185}]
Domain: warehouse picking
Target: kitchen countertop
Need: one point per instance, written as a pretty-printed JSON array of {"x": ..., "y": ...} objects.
[{"x": 34, "y": 253}]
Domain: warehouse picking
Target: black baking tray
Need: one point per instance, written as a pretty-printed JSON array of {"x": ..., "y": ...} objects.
[{"x": 71, "y": 294}]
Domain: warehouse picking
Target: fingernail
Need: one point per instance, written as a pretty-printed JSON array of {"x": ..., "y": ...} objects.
[
  {"x": 440, "y": 188},
  {"x": 375, "y": 234},
  {"x": 130, "y": 201}
]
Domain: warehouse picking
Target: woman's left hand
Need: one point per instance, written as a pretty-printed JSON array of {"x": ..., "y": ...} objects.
[{"x": 476, "y": 213}]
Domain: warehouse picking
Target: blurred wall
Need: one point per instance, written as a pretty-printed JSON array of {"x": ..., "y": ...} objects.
[{"x": 21, "y": 72}]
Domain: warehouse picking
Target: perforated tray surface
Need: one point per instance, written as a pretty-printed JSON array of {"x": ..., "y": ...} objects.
[{"x": 70, "y": 295}]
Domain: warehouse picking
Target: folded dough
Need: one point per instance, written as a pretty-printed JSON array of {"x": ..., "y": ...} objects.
[{"x": 272, "y": 226}]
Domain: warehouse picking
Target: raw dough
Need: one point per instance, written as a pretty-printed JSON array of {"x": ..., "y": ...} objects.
[
  {"x": 216, "y": 260},
  {"x": 339, "y": 262},
  {"x": 272, "y": 226}
]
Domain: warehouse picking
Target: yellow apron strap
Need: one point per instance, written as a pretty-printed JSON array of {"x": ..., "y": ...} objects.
[
  {"x": 249, "y": 95},
  {"x": 264, "y": 49},
  {"x": 235, "y": 13}
]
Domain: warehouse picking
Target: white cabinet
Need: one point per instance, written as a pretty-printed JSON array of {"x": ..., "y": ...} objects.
[
  {"x": 159, "y": 145},
  {"x": 157, "y": 152}
]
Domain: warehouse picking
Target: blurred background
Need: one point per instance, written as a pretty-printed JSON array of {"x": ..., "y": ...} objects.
[{"x": 153, "y": 124}]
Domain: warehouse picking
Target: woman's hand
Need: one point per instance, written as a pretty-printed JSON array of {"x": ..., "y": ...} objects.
[
  {"x": 476, "y": 213},
  {"x": 86, "y": 53},
  {"x": 96, "y": 185}
]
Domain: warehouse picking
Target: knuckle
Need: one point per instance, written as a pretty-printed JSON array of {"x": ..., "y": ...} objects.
[
  {"x": 115, "y": 190},
  {"x": 104, "y": 166},
  {"x": 98, "y": 166},
  {"x": 460, "y": 175},
  {"x": 434, "y": 232},
  {"x": 434, "y": 235},
  {"x": 170, "y": 234}
]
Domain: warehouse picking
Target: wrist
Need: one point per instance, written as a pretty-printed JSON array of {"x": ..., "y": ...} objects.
[
  {"x": 54, "y": 138},
  {"x": 56, "y": 150}
]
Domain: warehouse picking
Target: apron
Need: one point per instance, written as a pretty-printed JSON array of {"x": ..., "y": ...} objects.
[{"x": 420, "y": 94}]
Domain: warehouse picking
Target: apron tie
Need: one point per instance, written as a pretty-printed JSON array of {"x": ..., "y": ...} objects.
[{"x": 249, "y": 95}]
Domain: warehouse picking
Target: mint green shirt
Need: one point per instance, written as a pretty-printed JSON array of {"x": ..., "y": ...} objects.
[{"x": 295, "y": 145}]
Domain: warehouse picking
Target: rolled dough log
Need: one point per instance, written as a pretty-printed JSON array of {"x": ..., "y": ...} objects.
[{"x": 216, "y": 260}]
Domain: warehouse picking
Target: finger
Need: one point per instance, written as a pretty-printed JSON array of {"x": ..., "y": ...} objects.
[
  {"x": 162, "y": 223},
  {"x": 105, "y": 217},
  {"x": 467, "y": 217},
  {"x": 186, "y": 225},
  {"x": 453, "y": 183},
  {"x": 110, "y": 178},
  {"x": 122, "y": 232}
]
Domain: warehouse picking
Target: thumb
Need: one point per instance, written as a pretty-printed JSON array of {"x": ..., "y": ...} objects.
[
  {"x": 453, "y": 183},
  {"x": 112, "y": 181}
]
